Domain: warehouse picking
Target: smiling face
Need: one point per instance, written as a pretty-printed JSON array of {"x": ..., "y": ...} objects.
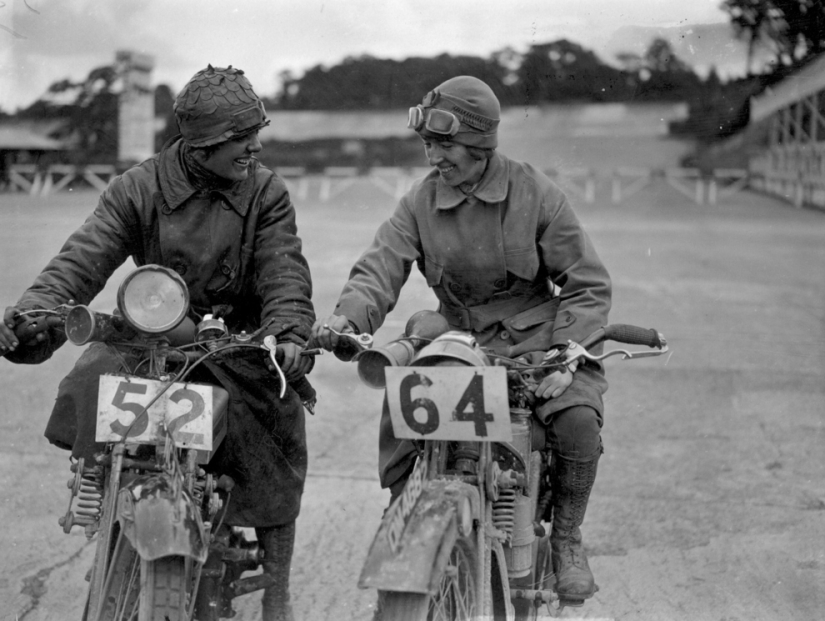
[
  {"x": 231, "y": 159},
  {"x": 454, "y": 162}
]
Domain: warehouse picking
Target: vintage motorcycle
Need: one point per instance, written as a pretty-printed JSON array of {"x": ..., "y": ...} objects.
[
  {"x": 163, "y": 552},
  {"x": 465, "y": 538}
]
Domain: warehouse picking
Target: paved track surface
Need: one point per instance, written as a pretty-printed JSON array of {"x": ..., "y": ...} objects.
[{"x": 709, "y": 505}]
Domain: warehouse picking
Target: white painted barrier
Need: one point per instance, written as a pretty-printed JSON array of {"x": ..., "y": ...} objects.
[{"x": 583, "y": 183}]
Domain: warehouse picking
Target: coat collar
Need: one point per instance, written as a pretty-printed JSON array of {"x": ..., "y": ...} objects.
[
  {"x": 491, "y": 189},
  {"x": 177, "y": 189}
]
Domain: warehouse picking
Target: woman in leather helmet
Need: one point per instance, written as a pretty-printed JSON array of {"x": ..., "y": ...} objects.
[
  {"x": 206, "y": 208},
  {"x": 506, "y": 257}
]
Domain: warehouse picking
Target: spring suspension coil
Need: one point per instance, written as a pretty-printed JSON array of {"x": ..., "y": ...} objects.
[
  {"x": 504, "y": 511},
  {"x": 86, "y": 486},
  {"x": 198, "y": 489}
]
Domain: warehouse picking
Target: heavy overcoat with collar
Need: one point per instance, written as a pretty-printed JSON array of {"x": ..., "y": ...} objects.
[
  {"x": 238, "y": 250},
  {"x": 510, "y": 263}
]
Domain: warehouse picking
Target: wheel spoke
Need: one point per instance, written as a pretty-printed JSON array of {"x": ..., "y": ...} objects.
[{"x": 455, "y": 599}]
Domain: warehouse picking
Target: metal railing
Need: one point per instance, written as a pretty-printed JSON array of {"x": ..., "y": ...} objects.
[{"x": 620, "y": 183}]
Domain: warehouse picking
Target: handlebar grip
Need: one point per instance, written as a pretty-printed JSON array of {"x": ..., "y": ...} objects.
[
  {"x": 345, "y": 350},
  {"x": 634, "y": 335}
]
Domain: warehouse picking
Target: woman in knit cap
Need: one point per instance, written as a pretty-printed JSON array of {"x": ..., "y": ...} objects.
[
  {"x": 205, "y": 207},
  {"x": 509, "y": 262}
]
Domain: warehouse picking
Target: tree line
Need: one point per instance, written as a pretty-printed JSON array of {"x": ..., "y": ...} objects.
[
  {"x": 558, "y": 71},
  {"x": 553, "y": 72}
]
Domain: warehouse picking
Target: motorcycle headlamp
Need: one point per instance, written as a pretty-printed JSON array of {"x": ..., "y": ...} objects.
[
  {"x": 452, "y": 347},
  {"x": 153, "y": 299},
  {"x": 434, "y": 120}
]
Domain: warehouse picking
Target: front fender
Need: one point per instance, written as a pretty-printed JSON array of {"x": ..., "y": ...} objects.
[
  {"x": 158, "y": 522},
  {"x": 424, "y": 545}
]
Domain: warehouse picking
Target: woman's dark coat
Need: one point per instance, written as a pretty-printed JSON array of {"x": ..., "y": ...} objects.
[{"x": 238, "y": 251}]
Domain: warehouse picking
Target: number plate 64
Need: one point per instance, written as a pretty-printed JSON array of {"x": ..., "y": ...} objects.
[{"x": 449, "y": 403}]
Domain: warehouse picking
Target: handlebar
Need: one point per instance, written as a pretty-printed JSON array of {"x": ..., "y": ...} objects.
[
  {"x": 559, "y": 358},
  {"x": 350, "y": 344},
  {"x": 84, "y": 326},
  {"x": 625, "y": 333}
]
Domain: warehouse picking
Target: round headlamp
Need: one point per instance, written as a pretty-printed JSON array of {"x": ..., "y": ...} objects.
[
  {"x": 452, "y": 347},
  {"x": 153, "y": 299}
]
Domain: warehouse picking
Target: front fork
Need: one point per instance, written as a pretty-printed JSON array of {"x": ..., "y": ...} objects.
[{"x": 106, "y": 525}]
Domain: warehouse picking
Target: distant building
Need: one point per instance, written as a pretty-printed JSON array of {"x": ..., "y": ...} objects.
[
  {"x": 24, "y": 144},
  {"x": 788, "y": 119},
  {"x": 136, "y": 109}
]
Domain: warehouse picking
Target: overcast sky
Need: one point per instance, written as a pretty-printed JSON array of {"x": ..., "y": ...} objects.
[{"x": 42, "y": 41}]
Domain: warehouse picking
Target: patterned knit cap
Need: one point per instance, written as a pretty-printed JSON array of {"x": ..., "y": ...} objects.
[{"x": 217, "y": 105}]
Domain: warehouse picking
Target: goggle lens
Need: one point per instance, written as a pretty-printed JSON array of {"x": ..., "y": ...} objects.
[
  {"x": 433, "y": 119},
  {"x": 415, "y": 118},
  {"x": 442, "y": 122}
]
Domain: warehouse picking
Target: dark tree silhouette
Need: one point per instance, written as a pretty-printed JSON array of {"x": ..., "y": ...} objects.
[{"x": 794, "y": 30}]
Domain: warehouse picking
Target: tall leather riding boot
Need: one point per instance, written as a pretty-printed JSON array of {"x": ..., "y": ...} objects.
[
  {"x": 572, "y": 481},
  {"x": 277, "y": 542}
]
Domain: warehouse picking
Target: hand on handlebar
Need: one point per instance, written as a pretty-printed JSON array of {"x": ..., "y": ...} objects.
[
  {"x": 326, "y": 332},
  {"x": 335, "y": 334},
  {"x": 554, "y": 385},
  {"x": 8, "y": 339},
  {"x": 25, "y": 329},
  {"x": 293, "y": 364}
]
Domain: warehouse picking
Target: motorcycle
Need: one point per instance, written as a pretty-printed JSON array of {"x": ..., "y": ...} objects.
[
  {"x": 163, "y": 552},
  {"x": 465, "y": 538}
]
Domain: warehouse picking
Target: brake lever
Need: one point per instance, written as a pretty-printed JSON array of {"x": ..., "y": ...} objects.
[
  {"x": 575, "y": 351},
  {"x": 270, "y": 343},
  {"x": 362, "y": 341},
  {"x": 61, "y": 311}
]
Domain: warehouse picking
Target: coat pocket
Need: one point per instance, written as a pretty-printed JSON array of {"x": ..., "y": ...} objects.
[
  {"x": 523, "y": 262},
  {"x": 433, "y": 272},
  {"x": 533, "y": 328}
]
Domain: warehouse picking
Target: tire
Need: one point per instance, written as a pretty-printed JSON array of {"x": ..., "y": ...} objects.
[
  {"x": 164, "y": 585},
  {"x": 140, "y": 590},
  {"x": 455, "y": 599}
]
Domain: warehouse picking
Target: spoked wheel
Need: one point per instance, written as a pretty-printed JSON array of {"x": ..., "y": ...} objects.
[
  {"x": 138, "y": 590},
  {"x": 454, "y": 600},
  {"x": 121, "y": 588}
]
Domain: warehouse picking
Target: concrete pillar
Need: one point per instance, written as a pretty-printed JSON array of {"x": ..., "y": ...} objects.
[{"x": 136, "y": 110}]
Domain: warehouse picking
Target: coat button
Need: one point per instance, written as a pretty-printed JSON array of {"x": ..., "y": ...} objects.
[
  {"x": 504, "y": 335},
  {"x": 180, "y": 268},
  {"x": 166, "y": 209},
  {"x": 226, "y": 270},
  {"x": 455, "y": 287},
  {"x": 226, "y": 206},
  {"x": 499, "y": 283}
]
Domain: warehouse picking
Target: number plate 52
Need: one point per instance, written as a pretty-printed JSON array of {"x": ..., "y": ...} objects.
[
  {"x": 449, "y": 403},
  {"x": 186, "y": 410}
]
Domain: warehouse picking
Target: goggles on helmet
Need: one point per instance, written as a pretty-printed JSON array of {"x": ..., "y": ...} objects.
[{"x": 433, "y": 120}]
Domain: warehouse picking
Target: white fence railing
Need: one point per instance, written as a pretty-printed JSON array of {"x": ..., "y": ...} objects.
[
  {"x": 585, "y": 184},
  {"x": 39, "y": 181}
]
